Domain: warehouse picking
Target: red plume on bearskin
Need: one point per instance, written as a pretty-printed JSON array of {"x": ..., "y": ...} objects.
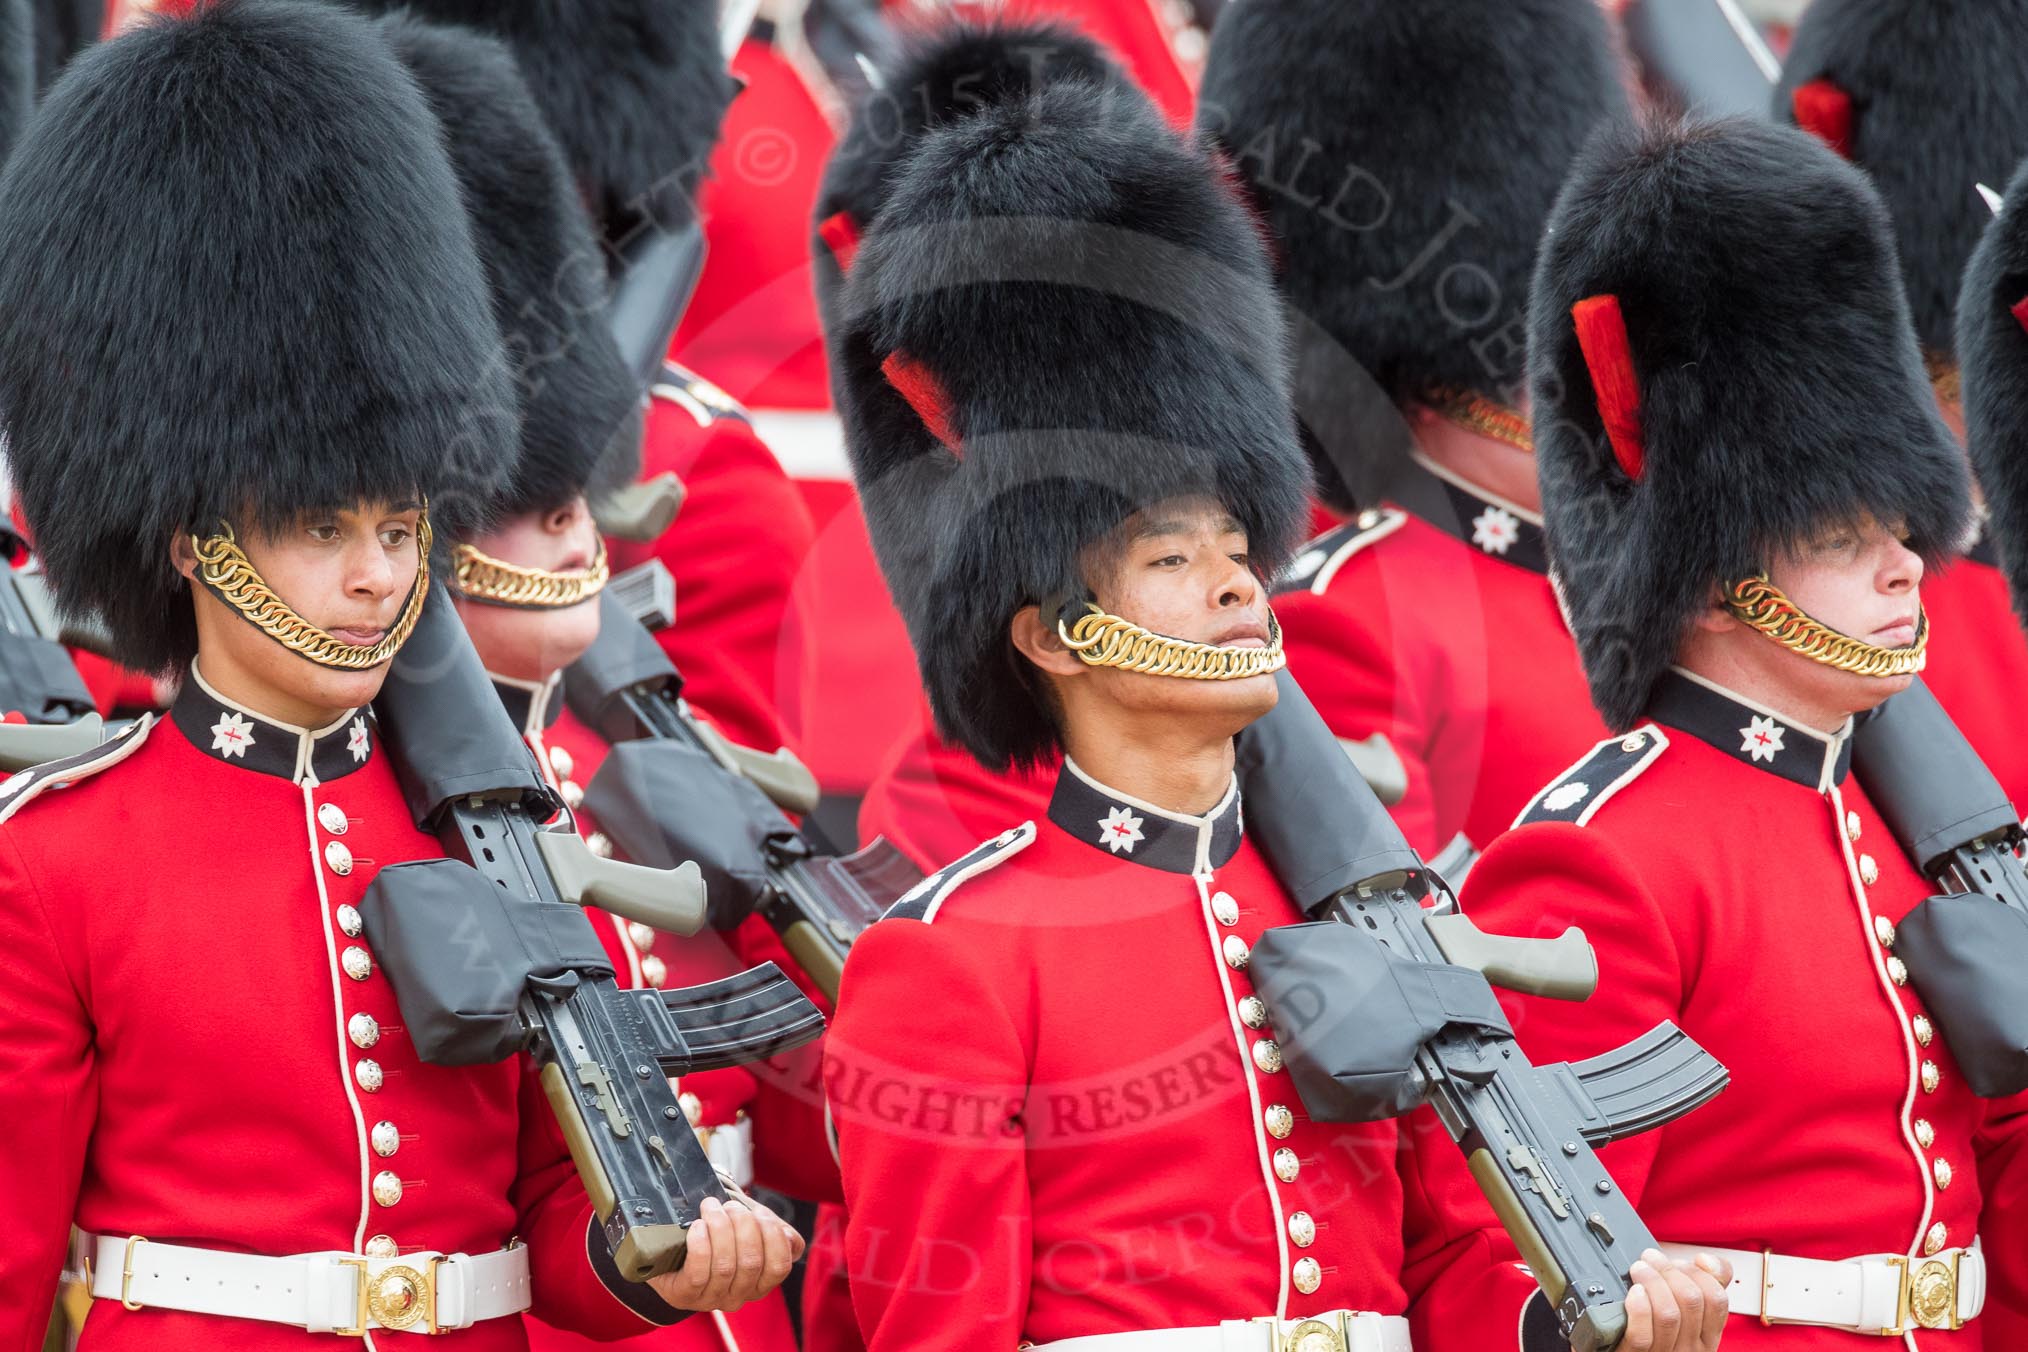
[
  {"x": 924, "y": 393},
  {"x": 1602, "y": 335},
  {"x": 1825, "y": 111}
]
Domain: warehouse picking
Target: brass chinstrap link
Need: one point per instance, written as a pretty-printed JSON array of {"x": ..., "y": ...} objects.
[
  {"x": 1762, "y": 605},
  {"x": 1102, "y": 640},
  {"x": 480, "y": 577},
  {"x": 225, "y": 569}
]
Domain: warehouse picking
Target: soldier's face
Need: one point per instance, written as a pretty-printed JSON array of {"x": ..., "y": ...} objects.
[
  {"x": 529, "y": 645},
  {"x": 1863, "y": 581},
  {"x": 348, "y": 572}
]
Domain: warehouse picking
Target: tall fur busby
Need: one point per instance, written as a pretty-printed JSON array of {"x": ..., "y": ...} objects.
[
  {"x": 1721, "y": 364},
  {"x": 17, "y": 69},
  {"x": 938, "y": 77},
  {"x": 1059, "y": 316},
  {"x": 580, "y": 411},
  {"x": 635, "y": 91},
  {"x": 236, "y": 283},
  {"x": 1930, "y": 99},
  {"x": 1992, "y": 345},
  {"x": 1405, "y": 157}
]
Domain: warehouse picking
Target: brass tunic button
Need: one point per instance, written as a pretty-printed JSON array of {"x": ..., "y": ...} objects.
[
  {"x": 1309, "y": 1275},
  {"x": 560, "y": 761},
  {"x": 1302, "y": 1229},
  {"x": 1942, "y": 1170},
  {"x": 1236, "y": 952},
  {"x": 350, "y": 922},
  {"x": 386, "y": 1188},
  {"x": 693, "y": 1108},
  {"x": 1933, "y": 1242},
  {"x": 1897, "y": 971},
  {"x": 382, "y": 1246},
  {"x": 1925, "y": 1031},
  {"x": 1851, "y": 826},
  {"x": 1253, "y": 1012},
  {"x": 1280, "y": 1121},
  {"x": 1224, "y": 909},
  {"x": 1931, "y": 1077},
  {"x": 369, "y": 1075},
  {"x": 1883, "y": 930},
  {"x": 599, "y": 844},
  {"x": 654, "y": 971},
  {"x": 573, "y": 794},
  {"x": 1287, "y": 1166},
  {"x": 337, "y": 858},
  {"x": 641, "y": 936},
  {"x": 357, "y": 962},
  {"x": 332, "y": 818},
  {"x": 1869, "y": 872},
  {"x": 363, "y": 1029},
  {"x": 1367, "y": 519},
  {"x": 1634, "y": 741},
  {"x": 1267, "y": 1056},
  {"x": 386, "y": 1140},
  {"x": 1925, "y": 1134}
]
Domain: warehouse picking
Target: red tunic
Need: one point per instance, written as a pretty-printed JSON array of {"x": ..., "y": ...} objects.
[
  {"x": 1432, "y": 625},
  {"x": 1735, "y": 880},
  {"x": 1978, "y": 665},
  {"x": 1060, "y": 1113},
  {"x": 199, "y": 1046}
]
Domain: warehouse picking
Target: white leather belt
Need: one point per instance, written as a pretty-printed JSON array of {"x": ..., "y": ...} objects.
[
  {"x": 1339, "y": 1331},
  {"x": 1887, "y": 1294},
  {"x": 730, "y": 1149},
  {"x": 343, "y": 1293}
]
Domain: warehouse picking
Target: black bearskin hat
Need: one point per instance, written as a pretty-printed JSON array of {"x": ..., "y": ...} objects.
[
  {"x": 1930, "y": 99},
  {"x": 1059, "y": 317},
  {"x": 939, "y": 76},
  {"x": 17, "y": 69},
  {"x": 580, "y": 411},
  {"x": 635, "y": 91},
  {"x": 236, "y": 283},
  {"x": 1721, "y": 364},
  {"x": 1993, "y": 355},
  {"x": 1405, "y": 157}
]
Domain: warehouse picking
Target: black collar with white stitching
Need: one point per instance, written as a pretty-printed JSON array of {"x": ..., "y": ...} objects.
[
  {"x": 1750, "y": 732},
  {"x": 228, "y": 731},
  {"x": 1142, "y": 833}
]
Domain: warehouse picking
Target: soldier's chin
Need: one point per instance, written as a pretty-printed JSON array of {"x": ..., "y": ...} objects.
[{"x": 333, "y": 687}]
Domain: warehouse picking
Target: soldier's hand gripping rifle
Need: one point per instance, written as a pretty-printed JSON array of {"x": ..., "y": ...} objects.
[
  {"x": 673, "y": 788},
  {"x": 490, "y": 953},
  {"x": 1386, "y": 1004},
  {"x": 38, "y": 680},
  {"x": 1966, "y": 949}
]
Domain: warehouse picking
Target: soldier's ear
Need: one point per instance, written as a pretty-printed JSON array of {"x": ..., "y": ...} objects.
[
  {"x": 1714, "y": 618},
  {"x": 1038, "y": 642},
  {"x": 182, "y": 557}
]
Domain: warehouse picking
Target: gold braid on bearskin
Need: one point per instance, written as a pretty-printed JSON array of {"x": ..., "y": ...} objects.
[
  {"x": 225, "y": 569},
  {"x": 1761, "y": 604},
  {"x": 1102, "y": 640},
  {"x": 481, "y": 577}
]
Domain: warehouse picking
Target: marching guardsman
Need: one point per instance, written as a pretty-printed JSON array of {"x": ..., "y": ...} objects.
[
  {"x": 205, "y": 1067},
  {"x": 1932, "y": 102},
  {"x": 1746, "y": 479},
  {"x": 1992, "y": 344},
  {"x": 1406, "y": 188},
  {"x": 526, "y": 583},
  {"x": 1070, "y": 421}
]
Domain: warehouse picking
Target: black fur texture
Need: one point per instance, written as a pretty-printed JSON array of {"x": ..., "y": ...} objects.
[
  {"x": 580, "y": 410},
  {"x": 1780, "y": 384},
  {"x": 1993, "y": 362},
  {"x": 938, "y": 77},
  {"x": 236, "y": 283},
  {"x": 1405, "y": 157},
  {"x": 63, "y": 28},
  {"x": 17, "y": 69},
  {"x": 1101, "y": 312},
  {"x": 1940, "y": 100},
  {"x": 635, "y": 91}
]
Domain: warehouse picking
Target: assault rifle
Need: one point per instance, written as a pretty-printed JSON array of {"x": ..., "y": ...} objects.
[
  {"x": 1388, "y": 1004},
  {"x": 38, "y": 680},
  {"x": 490, "y": 953},
  {"x": 1965, "y": 949},
  {"x": 674, "y": 788}
]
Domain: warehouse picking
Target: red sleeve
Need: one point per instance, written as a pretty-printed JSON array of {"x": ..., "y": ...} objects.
[
  {"x": 48, "y": 1095},
  {"x": 1461, "y": 1273},
  {"x": 938, "y": 1236},
  {"x": 1350, "y": 668},
  {"x": 2002, "y": 1144},
  {"x": 735, "y": 551}
]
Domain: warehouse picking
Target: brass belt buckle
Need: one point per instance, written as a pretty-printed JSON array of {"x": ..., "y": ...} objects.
[
  {"x": 1929, "y": 1292},
  {"x": 400, "y": 1297},
  {"x": 127, "y": 1274},
  {"x": 358, "y": 1329},
  {"x": 1309, "y": 1335}
]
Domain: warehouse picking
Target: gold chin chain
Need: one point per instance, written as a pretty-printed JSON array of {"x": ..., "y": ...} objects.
[
  {"x": 1476, "y": 413},
  {"x": 480, "y": 577},
  {"x": 1761, "y": 604},
  {"x": 225, "y": 569},
  {"x": 1102, "y": 640}
]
